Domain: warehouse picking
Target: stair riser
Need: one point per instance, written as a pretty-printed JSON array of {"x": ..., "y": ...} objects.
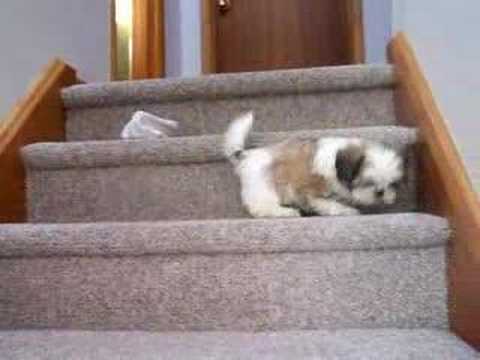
[
  {"x": 134, "y": 193},
  {"x": 398, "y": 288},
  {"x": 195, "y": 191},
  {"x": 273, "y": 113}
]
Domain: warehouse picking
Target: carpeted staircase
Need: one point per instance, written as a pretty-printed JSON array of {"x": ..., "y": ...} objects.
[{"x": 141, "y": 249}]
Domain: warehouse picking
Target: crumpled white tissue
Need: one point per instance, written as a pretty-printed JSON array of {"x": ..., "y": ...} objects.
[{"x": 144, "y": 125}]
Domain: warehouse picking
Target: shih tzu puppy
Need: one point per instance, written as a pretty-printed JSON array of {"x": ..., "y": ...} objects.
[{"x": 327, "y": 176}]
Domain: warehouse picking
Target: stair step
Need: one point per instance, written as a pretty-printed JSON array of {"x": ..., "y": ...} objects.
[
  {"x": 213, "y": 87},
  {"x": 245, "y": 275},
  {"x": 180, "y": 178},
  {"x": 352, "y": 344},
  {"x": 284, "y": 100},
  {"x": 240, "y": 236},
  {"x": 216, "y": 275}
]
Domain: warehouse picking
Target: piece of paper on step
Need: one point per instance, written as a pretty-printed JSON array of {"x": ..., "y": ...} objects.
[{"x": 144, "y": 125}]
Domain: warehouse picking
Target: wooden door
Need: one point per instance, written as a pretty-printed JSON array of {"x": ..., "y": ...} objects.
[{"x": 254, "y": 35}]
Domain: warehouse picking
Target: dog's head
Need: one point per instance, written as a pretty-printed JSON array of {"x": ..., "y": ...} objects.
[{"x": 371, "y": 172}]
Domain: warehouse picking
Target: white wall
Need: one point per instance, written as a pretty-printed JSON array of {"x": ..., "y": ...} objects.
[
  {"x": 377, "y": 23},
  {"x": 445, "y": 34},
  {"x": 183, "y": 37},
  {"x": 33, "y": 32}
]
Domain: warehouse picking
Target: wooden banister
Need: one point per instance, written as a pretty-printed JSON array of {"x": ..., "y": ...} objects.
[
  {"x": 445, "y": 188},
  {"x": 39, "y": 116}
]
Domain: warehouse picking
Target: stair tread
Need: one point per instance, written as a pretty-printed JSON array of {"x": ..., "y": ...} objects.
[
  {"x": 421, "y": 344},
  {"x": 221, "y": 86},
  {"x": 194, "y": 149},
  {"x": 240, "y": 236},
  {"x": 177, "y": 178}
]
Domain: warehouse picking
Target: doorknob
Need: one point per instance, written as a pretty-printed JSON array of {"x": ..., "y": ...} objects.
[{"x": 224, "y": 5}]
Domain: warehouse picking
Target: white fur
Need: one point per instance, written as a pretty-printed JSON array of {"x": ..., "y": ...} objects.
[
  {"x": 324, "y": 162},
  {"x": 383, "y": 166},
  {"x": 237, "y": 134},
  {"x": 332, "y": 208},
  {"x": 259, "y": 196}
]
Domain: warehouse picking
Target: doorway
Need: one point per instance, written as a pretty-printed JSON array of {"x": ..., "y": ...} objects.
[{"x": 255, "y": 35}]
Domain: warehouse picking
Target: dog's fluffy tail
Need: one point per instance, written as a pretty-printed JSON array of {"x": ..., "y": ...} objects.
[{"x": 237, "y": 135}]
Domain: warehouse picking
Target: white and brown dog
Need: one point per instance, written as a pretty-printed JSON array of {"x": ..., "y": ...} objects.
[{"x": 327, "y": 176}]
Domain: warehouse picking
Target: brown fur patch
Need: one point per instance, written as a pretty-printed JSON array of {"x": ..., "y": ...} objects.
[{"x": 292, "y": 173}]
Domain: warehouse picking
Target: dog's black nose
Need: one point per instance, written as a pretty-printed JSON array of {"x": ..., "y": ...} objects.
[{"x": 380, "y": 193}]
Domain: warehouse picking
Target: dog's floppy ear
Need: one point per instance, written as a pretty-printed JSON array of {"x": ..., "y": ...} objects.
[{"x": 349, "y": 162}]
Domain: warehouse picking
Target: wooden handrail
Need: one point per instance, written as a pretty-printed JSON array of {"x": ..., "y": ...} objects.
[
  {"x": 39, "y": 116},
  {"x": 444, "y": 188}
]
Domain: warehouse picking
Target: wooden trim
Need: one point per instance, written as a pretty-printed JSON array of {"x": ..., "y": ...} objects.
[
  {"x": 113, "y": 43},
  {"x": 39, "y": 116},
  {"x": 445, "y": 188},
  {"x": 209, "y": 37},
  {"x": 355, "y": 37},
  {"x": 148, "y": 43}
]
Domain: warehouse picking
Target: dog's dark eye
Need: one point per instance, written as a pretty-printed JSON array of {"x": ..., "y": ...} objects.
[
  {"x": 396, "y": 184},
  {"x": 368, "y": 183}
]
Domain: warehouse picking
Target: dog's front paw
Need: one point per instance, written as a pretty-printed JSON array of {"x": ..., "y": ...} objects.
[
  {"x": 274, "y": 212},
  {"x": 287, "y": 212},
  {"x": 345, "y": 211},
  {"x": 327, "y": 207}
]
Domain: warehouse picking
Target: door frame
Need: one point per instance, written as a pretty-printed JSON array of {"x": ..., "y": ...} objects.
[
  {"x": 148, "y": 40},
  {"x": 353, "y": 19},
  {"x": 354, "y": 24},
  {"x": 113, "y": 41},
  {"x": 209, "y": 38}
]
